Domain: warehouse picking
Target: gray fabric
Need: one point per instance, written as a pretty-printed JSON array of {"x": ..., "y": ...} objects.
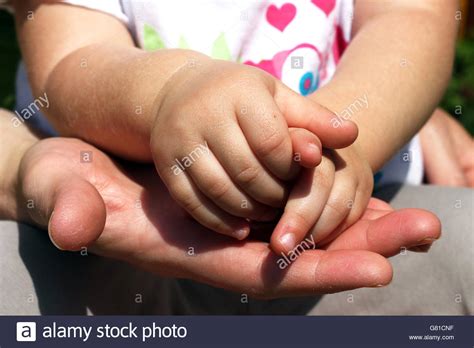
[
  {"x": 35, "y": 278},
  {"x": 440, "y": 282}
]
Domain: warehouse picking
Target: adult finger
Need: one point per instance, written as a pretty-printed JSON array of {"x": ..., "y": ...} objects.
[
  {"x": 463, "y": 144},
  {"x": 72, "y": 209},
  {"x": 387, "y": 232},
  {"x": 376, "y": 203},
  {"x": 440, "y": 159},
  {"x": 251, "y": 268},
  {"x": 375, "y": 208}
]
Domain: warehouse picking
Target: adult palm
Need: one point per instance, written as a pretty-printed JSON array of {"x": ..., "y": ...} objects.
[{"x": 129, "y": 215}]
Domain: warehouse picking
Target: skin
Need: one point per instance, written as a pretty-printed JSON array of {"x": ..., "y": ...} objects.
[
  {"x": 127, "y": 214},
  {"x": 392, "y": 69},
  {"x": 447, "y": 151},
  {"x": 331, "y": 197},
  {"x": 325, "y": 201},
  {"x": 237, "y": 112},
  {"x": 185, "y": 99}
]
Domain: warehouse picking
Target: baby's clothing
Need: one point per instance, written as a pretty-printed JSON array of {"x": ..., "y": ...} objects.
[{"x": 298, "y": 42}]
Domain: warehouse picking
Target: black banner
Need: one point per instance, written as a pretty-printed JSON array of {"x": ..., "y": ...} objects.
[{"x": 235, "y": 331}]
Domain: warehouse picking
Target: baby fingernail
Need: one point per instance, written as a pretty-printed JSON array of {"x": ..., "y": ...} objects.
[
  {"x": 314, "y": 147},
  {"x": 241, "y": 233},
  {"x": 288, "y": 241}
]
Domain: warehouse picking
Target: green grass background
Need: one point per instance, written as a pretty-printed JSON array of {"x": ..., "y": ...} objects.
[{"x": 459, "y": 95}]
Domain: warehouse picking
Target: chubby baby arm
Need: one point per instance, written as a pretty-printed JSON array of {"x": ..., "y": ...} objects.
[
  {"x": 101, "y": 87},
  {"x": 388, "y": 69},
  {"x": 106, "y": 91}
]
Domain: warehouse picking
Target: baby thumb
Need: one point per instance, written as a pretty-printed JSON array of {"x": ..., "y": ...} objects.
[{"x": 302, "y": 112}]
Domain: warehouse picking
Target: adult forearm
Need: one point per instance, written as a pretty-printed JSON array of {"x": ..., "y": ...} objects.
[{"x": 391, "y": 78}]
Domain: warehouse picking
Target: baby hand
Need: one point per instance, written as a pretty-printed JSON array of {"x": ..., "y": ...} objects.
[
  {"x": 222, "y": 145},
  {"x": 325, "y": 200}
]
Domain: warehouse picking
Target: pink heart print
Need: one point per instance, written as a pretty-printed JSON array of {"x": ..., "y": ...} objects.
[
  {"x": 281, "y": 17},
  {"x": 325, "y": 5}
]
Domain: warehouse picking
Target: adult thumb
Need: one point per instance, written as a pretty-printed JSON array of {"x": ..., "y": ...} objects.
[{"x": 75, "y": 213}]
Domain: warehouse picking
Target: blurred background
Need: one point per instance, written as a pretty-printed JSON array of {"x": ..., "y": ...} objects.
[{"x": 458, "y": 100}]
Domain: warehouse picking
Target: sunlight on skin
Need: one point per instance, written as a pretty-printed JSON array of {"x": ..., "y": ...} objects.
[{"x": 144, "y": 226}]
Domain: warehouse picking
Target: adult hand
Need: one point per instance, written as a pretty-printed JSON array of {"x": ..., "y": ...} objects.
[
  {"x": 130, "y": 216},
  {"x": 447, "y": 151}
]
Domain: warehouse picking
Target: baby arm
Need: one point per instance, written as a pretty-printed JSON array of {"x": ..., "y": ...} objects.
[
  {"x": 399, "y": 64},
  {"x": 217, "y": 131},
  {"x": 101, "y": 87},
  {"x": 400, "y": 61}
]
